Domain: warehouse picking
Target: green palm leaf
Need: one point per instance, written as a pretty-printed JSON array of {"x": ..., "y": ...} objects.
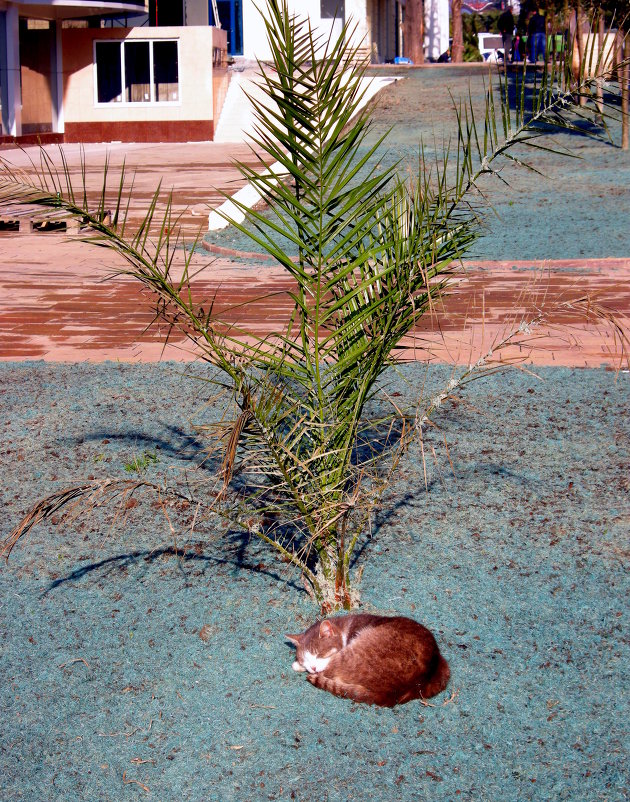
[{"x": 370, "y": 255}]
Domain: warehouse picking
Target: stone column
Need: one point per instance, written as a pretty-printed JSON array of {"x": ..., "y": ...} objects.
[
  {"x": 10, "y": 66},
  {"x": 356, "y": 12},
  {"x": 56, "y": 80}
]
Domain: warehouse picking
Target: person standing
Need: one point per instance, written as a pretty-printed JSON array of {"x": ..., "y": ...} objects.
[
  {"x": 537, "y": 35},
  {"x": 505, "y": 25}
]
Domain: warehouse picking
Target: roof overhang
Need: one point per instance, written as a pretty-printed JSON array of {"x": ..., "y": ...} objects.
[{"x": 69, "y": 9}]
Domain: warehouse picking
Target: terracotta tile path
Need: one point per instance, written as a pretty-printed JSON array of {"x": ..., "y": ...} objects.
[{"x": 54, "y": 304}]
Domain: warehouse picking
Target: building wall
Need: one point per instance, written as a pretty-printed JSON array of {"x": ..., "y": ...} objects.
[
  {"x": 375, "y": 26},
  {"x": 592, "y": 47},
  {"x": 436, "y": 19},
  {"x": 35, "y": 68},
  {"x": 383, "y": 30},
  {"x": 190, "y": 118},
  {"x": 220, "y": 76},
  {"x": 196, "y": 12},
  {"x": 254, "y": 34}
]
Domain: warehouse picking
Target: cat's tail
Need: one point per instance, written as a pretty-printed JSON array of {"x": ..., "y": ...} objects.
[{"x": 439, "y": 679}]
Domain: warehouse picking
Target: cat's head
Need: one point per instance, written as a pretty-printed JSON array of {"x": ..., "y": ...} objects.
[{"x": 316, "y": 646}]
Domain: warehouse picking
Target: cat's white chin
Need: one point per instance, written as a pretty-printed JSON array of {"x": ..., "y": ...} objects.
[{"x": 297, "y": 666}]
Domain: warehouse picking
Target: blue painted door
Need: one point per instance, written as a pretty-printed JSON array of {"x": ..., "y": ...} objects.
[{"x": 231, "y": 17}]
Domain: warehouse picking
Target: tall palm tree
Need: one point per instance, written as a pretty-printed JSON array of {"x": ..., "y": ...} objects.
[{"x": 413, "y": 31}]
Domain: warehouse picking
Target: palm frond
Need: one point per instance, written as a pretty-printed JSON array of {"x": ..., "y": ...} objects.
[{"x": 368, "y": 254}]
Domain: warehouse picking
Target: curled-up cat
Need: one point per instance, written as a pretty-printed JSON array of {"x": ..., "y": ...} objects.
[{"x": 374, "y": 659}]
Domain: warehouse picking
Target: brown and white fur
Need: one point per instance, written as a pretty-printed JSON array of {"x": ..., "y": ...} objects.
[{"x": 374, "y": 659}]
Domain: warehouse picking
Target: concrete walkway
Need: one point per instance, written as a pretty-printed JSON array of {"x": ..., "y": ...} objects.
[
  {"x": 238, "y": 124},
  {"x": 195, "y": 172},
  {"x": 53, "y": 302}
]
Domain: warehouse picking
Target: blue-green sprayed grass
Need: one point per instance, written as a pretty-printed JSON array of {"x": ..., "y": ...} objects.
[{"x": 518, "y": 565}]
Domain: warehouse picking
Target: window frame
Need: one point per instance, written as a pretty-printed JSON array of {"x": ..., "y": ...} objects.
[{"x": 108, "y": 104}]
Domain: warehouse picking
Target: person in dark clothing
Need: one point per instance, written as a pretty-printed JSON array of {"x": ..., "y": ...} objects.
[
  {"x": 516, "y": 48},
  {"x": 506, "y": 29},
  {"x": 537, "y": 35}
]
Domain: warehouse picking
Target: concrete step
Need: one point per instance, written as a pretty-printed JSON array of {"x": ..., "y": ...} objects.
[{"x": 236, "y": 124}]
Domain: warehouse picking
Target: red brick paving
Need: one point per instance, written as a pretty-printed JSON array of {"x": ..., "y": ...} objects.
[
  {"x": 54, "y": 304},
  {"x": 68, "y": 313},
  {"x": 196, "y": 173}
]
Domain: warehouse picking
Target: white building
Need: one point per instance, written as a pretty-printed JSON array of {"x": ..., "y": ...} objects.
[
  {"x": 156, "y": 70},
  {"x": 378, "y": 25}
]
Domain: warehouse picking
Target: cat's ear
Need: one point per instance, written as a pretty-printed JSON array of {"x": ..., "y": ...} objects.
[
  {"x": 295, "y": 639},
  {"x": 326, "y": 629}
]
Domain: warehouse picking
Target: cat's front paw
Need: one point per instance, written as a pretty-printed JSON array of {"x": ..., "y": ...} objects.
[{"x": 297, "y": 666}]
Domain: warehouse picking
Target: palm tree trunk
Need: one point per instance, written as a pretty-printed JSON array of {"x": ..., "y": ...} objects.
[
  {"x": 579, "y": 19},
  {"x": 599, "y": 86},
  {"x": 413, "y": 31},
  {"x": 457, "y": 49}
]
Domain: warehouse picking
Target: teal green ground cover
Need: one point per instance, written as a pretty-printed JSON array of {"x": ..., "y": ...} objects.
[
  {"x": 575, "y": 208},
  {"x": 517, "y": 562}
]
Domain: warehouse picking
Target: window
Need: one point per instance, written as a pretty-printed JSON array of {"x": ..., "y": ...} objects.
[
  {"x": 108, "y": 72},
  {"x": 166, "y": 12},
  {"x": 332, "y": 9},
  {"x": 165, "y": 73},
  {"x": 137, "y": 71}
]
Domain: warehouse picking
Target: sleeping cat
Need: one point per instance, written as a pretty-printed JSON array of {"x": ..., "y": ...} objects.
[{"x": 372, "y": 658}]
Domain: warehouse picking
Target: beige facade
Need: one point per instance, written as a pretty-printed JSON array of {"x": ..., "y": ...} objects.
[
  {"x": 186, "y": 112},
  {"x": 592, "y": 48},
  {"x": 70, "y": 73},
  {"x": 31, "y": 59}
]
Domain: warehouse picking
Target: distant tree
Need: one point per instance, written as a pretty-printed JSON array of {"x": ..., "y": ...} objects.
[
  {"x": 610, "y": 13},
  {"x": 583, "y": 15},
  {"x": 457, "y": 48},
  {"x": 413, "y": 31},
  {"x": 614, "y": 11}
]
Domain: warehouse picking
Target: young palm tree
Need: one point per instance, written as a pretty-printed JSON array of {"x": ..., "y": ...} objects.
[{"x": 305, "y": 458}]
